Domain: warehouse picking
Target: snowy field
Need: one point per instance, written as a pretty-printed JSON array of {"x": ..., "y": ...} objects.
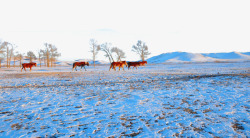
[{"x": 162, "y": 100}]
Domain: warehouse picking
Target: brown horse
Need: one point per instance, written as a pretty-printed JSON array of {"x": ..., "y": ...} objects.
[
  {"x": 118, "y": 64},
  {"x": 134, "y": 64},
  {"x": 142, "y": 63},
  {"x": 28, "y": 65},
  {"x": 81, "y": 64}
]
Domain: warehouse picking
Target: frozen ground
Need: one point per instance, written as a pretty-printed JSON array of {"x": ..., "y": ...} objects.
[{"x": 163, "y": 100}]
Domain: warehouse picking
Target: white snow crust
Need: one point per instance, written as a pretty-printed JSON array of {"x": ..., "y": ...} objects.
[{"x": 159, "y": 100}]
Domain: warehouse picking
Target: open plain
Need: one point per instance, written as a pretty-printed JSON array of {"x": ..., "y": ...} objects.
[{"x": 159, "y": 100}]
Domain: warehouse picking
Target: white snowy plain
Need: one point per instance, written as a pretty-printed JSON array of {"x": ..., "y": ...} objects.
[{"x": 159, "y": 100}]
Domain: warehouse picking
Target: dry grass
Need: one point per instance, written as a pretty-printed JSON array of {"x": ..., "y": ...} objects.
[
  {"x": 237, "y": 126},
  {"x": 16, "y": 126},
  {"x": 190, "y": 111}
]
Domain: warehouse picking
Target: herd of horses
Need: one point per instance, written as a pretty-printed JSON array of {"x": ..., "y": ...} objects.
[
  {"x": 121, "y": 64},
  {"x": 113, "y": 65}
]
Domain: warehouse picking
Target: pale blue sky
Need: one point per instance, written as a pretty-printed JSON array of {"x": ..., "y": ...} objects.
[{"x": 165, "y": 26}]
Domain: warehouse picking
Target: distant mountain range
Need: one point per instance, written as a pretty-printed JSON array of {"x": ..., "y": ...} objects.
[{"x": 200, "y": 57}]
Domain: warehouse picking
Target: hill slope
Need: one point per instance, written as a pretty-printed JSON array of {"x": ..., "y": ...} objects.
[{"x": 199, "y": 57}]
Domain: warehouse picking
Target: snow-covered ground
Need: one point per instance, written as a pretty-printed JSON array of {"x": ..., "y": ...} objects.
[{"x": 159, "y": 100}]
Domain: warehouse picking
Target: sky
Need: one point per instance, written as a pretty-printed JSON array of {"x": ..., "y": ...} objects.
[{"x": 198, "y": 26}]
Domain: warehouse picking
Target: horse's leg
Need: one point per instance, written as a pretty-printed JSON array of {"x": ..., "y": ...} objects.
[
  {"x": 113, "y": 67},
  {"x": 75, "y": 68},
  {"x": 84, "y": 68},
  {"x": 110, "y": 67},
  {"x": 30, "y": 68},
  {"x": 25, "y": 69}
]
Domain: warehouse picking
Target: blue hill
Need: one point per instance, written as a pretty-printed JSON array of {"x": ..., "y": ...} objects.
[{"x": 199, "y": 57}]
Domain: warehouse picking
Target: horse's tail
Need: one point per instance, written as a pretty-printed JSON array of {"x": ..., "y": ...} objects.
[{"x": 73, "y": 65}]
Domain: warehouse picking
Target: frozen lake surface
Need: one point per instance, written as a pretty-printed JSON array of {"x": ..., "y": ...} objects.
[{"x": 161, "y": 100}]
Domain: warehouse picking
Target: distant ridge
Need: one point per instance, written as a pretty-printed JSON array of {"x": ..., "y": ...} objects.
[
  {"x": 231, "y": 55},
  {"x": 200, "y": 57},
  {"x": 246, "y": 53}
]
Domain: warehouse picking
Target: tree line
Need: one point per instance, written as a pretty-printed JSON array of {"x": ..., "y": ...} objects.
[{"x": 49, "y": 54}]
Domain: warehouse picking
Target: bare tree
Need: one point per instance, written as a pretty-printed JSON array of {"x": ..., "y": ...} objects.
[
  {"x": 40, "y": 56},
  {"x": 2, "y": 52},
  {"x": 106, "y": 48},
  {"x": 7, "y": 52},
  {"x": 15, "y": 58},
  {"x": 9, "y": 49},
  {"x": 20, "y": 58},
  {"x": 31, "y": 56},
  {"x": 46, "y": 53},
  {"x": 11, "y": 54},
  {"x": 53, "y": 53},
  {"x": 141, "y": 49},
  {"x": 44, "y": 60},
  {"x": 94, "y": 48},
  {"x": 119, "y": 53}
]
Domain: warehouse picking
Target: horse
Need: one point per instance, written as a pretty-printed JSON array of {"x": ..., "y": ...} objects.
[
  {"x": 81, "y": 64},
  {"x": 118, "y": 64},
  {"x": 134, "y": 64},
  {"x": 28, "y": 65},
  {"x": 142, "y": 63}
]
